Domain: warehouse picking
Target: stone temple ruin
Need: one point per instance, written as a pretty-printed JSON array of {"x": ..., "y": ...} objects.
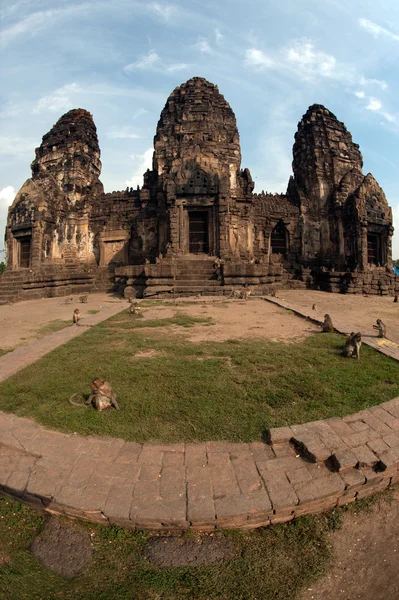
[{"x": 331, "y": 230}]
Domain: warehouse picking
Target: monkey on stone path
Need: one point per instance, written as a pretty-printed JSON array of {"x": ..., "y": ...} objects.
[
  {"x": 352, "y": 345},
  {"x": 76, "y": 316},
  {"x": 327, "y": 326},
  {"x": 381, "y": 328},
  {"x": 314, "y": 307},
  {"x": 102, "y": 396},
  {"x": 83, "y": 299}
]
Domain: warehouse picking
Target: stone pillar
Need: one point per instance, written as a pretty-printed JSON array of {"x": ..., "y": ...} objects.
[{"x": 363, "y": 255}]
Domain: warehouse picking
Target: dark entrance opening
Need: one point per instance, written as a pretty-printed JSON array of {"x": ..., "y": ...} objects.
[
  {"x": 374, "y": 249},
  {"x": 278, "y": 240},
  {"x": 198, "y": 232},
  {"x": 24, "y": 252}
]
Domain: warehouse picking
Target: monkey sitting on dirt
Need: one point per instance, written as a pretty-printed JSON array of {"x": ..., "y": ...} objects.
[
  {"x": 352, "y": 345},
  {"x": 381, "y": 328},
  {"x": 327, "y": 326},
  {"x": 134, "y": 308},
  {"x": 314, "y": 307},
  {"x": 396, "y": 298},
  {"x": 83, "y": 299},
  {"x": 102, "y": 396},
  {"x": 76, "y": 316}
]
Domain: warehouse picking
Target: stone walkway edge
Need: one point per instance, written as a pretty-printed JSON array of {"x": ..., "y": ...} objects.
[{"x": 303, "y": 469}]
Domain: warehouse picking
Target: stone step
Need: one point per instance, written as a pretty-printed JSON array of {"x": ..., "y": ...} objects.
[{"x": 197, "y": 276}]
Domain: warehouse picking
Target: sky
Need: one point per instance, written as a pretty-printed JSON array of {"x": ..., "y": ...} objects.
[{"x": 271, "y": 59}]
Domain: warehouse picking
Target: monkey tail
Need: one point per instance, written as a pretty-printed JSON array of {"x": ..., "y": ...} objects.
[{"x": 71, "y": 401}]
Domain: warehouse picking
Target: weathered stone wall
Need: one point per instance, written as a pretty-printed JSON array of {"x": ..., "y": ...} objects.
[{"x": 331, "y": 229}]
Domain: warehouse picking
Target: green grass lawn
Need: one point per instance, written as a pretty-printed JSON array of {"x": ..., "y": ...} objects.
[
  {"x": 231, "y": 390},
  {"x": 268, "y": 562},
  {"x": 273, "y": 563}
]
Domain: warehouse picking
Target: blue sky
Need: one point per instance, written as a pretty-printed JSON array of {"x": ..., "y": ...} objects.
[{"x": 120, "y": 60}]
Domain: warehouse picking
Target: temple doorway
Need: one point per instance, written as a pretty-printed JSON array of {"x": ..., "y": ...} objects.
[
  {"x": 198, "y": 232},
  {"x": 24, "y": 252}
]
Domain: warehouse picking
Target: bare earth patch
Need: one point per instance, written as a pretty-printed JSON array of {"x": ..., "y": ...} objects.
[
  {"x": 148, "y": 354},
  {"x": 178, "y": 551},
  {"x": 366, "y": 553},
  {"x": 63, "y": 548},
  {"x": 254, "y": 318}
]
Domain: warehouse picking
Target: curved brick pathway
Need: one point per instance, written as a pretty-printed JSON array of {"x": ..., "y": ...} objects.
[{"x": 304, "y": 468}]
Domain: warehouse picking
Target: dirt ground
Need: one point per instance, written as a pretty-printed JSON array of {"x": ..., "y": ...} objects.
[
  {"x": 362, "y": 311},
  {"x": 177, "y": 551},
  {"x": 21, "y": 322},
  {"x": 234, "y": 319},
  {"x": 63, "y": 548},
  {"x": 366, "y": 551}
]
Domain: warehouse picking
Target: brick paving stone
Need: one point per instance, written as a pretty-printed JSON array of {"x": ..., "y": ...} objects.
[
  {"x": 151, "y": 456},
  {"x": 223, "y": 488},
  {"x": 298, "y": 475},
  {"x": 225, "y": 447},
  {"x": 344, "y": 460},
  {"x": 281, "y": 491},
  {"x": 195, "y": 455},
  {"x": 365, "y": 457},
  {"x": 8, "y": 464},
  {"x": 173, "y": 459},
  {"x": 197, "y": 473},
  {"x": 148, "y": 490},
  {"x": 149, "y": 473},
  {"x": 242, "y": 506},
  {"x": 323, "y": 487},
  {"x": 277, "y": 435},
  {"x": 327, "y": 435},
  {"x": 19, "y": 477},
  {"x": 172, "y": 483},
  {"x": 353, "y": 479},
  {"x": 81, "y": 472},
  {"x": 339, "y": 426},
  {"x": 119, "y": 499},
  {"x": 390, "y": 459},
  {"x": 95, "y": 492},
  {"x": 278, "y": 464},
  {"x": 127, "y": 471},
  {"x": 378, "y": 445},
  {"x": 128, "y": 453},
  {"x": 261, "y": 451},
  {"x": 168, "y": 513},
  {"x": 283, "y": 450},
  {"x": 392, "y": 406},
  {"x": 200, "y": 503},
  {"x": 362, "y": 437},
  {"x": 382, "y": 415},
  {"x": 392, "y": 440},
  {"x": 375, "y": 423},
  {"x": 359, "y": 426}
]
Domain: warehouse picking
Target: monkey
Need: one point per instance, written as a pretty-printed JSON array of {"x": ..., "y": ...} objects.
[
  {"x": 83, "y": 299},
  {"x": 381, "y": 328},
  {"x": 134, "y": 308},
  {"x": 102, "y": 396},
  {"x": 396, "y": 298},
  {"x": 68, "y": 301},
  {"x": 352, "y": 345},
  {"x": 198, "y": 296},
  {"x": 147, "y": 261},
  {"x": 273, "y": 293},
  {"x": 327, "y": 326},
  {"x": 245, "y": 294},
  {"x": 76, "y": 316},
  {"x": 314, "y": 307}
]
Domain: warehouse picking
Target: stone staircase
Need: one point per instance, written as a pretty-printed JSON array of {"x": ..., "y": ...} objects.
[{"x": 197, "y": 276}]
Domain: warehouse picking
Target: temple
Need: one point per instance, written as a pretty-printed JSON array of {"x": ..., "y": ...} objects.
[{"x": 331, "y": 230}]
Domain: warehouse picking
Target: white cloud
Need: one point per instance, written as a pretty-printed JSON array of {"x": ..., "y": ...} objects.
[
  {"x": 309, "y": 62},
  {"x": 59, "y": 100},
  {"x": 365, "y": 81},
  {"x": 32, "y": 24},
  {"x": 152, "y": 62},
  {"x": 12, "y": 145},
  {"x": 390, "y": 118},
  {"x": 123, "y": 133},
  {"x": 359, "y": 94},
  {"x": 376, "y": 30},
  {"x": 145, "y": 62},
  {"x": 374, "y": 104},
  {"x": 219, "y": 37},
  {"x": 203, "y": 46},
  {"x": 144, "y": 163},
  {"x": 165, "y": 12},
  {"x": 257, "y": 58},
  {"x": 7, "y": 196}
]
